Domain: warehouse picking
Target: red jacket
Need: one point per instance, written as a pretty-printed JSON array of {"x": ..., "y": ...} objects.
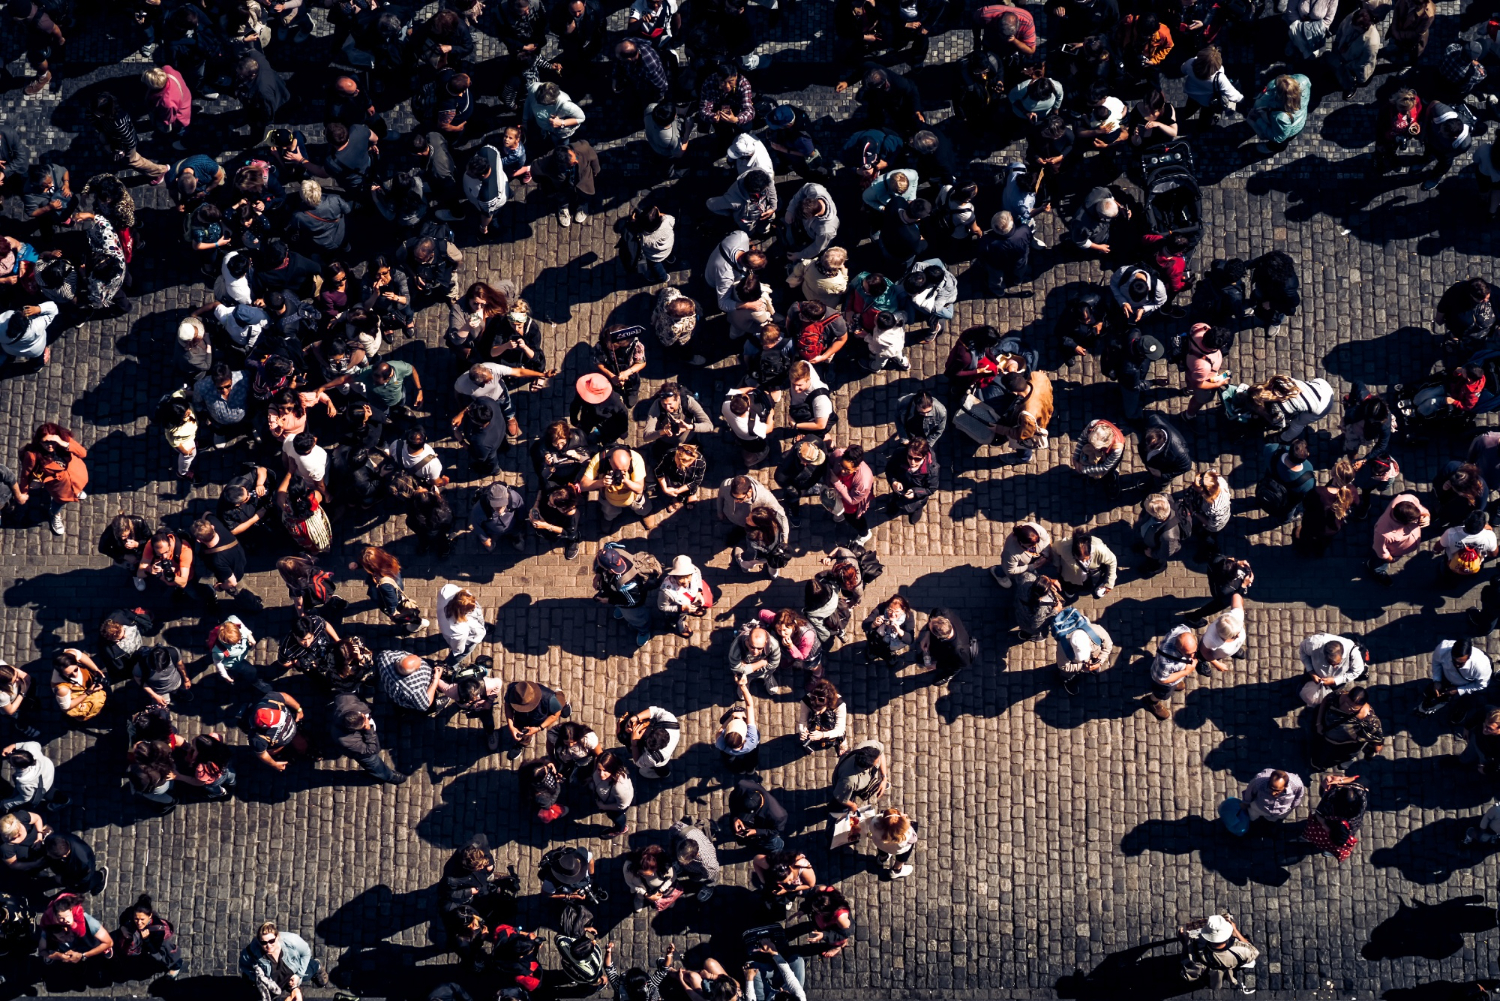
[{"x": 172, "y": 106}]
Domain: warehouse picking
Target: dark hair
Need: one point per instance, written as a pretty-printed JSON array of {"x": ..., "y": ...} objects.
[
  {"x": 1462, "y": 648},
  {"x": 1476, "y": 522},
  {"x": 21, "y": 759},
  {"x": 854, "y": 455},
  {"x": 336, "y": 133}
]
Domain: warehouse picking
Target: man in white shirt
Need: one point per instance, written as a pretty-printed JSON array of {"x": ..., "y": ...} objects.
[
  {"x": 1459, "y": 670},
  {"x": 1331, "y": 662},
  {"x": 23, "y": 332},
  {"x": 31, "y": 776},
  {"x": 307, "y": 459}
]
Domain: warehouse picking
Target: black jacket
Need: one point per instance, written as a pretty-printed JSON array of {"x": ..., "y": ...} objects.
[
  {"x": 359, "y": 744},
  {"x": 1174, "y": 459},
  {"x": 1273, "y": 279},
  {"x": 897, "y": 107},
  {"x": 771, "y": 816},
  {"x": 955, "y": 652}
]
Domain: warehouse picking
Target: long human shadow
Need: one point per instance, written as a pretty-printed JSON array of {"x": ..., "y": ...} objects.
[
  {"x": 1429, "y": 931},
  {"x": 1426, "y": 783},
  {"x": 1255, "y": 858},
  {"x": 483, "y": 800},
  {"x": 1135, "y": 974},
  {"x": 376, "y": 914},
  {"x": 1402, "y": 355},
  {"x": 1430, "y": 854}
]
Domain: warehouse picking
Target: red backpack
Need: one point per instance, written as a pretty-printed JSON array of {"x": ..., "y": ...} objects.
[{"x": 810, "y": 339}]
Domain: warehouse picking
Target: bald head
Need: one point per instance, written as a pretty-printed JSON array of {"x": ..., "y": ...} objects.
[{"x": 409, "y": 664}]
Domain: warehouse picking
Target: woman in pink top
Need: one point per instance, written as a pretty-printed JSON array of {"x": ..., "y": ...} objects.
[
  {"x": 854, "y": 484},
  {"x": 1203, "y": 358},
  {"x": 1397, "y": 533},
  {"x": 171, "y": 102}
]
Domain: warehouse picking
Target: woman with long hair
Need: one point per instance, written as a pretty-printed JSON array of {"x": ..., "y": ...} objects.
[
  {"x": 470, "y": 314},
  {"x": 383, "y": 579},
  {"x": 823, "y": 718},
  {"x": 147, "y": 941}
]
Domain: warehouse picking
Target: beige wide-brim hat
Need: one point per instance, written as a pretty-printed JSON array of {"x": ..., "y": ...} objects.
[{"x": 682, "y": 566}]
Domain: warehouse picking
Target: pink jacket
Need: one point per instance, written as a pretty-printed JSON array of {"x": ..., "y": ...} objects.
[
  {"x": 857, "y": 491},
  {"x": 173, "y": 104},
  {"x": 1394, "y": 540}
]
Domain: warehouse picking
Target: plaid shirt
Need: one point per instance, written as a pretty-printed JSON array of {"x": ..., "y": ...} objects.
[
  {"x": 712, "y": 97},
  {"x": 647, "y": 71},
  {"x": 1458, "y": 69}
]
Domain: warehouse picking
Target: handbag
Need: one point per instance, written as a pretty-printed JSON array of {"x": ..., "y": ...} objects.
[
  {"x": 88, "y": 707},
  {"x": 1236, "y": 818}
]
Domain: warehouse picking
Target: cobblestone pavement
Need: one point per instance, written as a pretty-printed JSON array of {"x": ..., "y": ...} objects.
[{"x": 1057, "y": 833}]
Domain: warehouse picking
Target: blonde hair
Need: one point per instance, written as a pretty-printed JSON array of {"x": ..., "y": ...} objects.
[
  {"x": 1228, "y": 626},
  {"x": 520, "y": 306},
  {"x": 462, "y": 604},
  {"x": 835, "y": 257},
  {"x": 11, "y": 825},
  {"x": 1343, "y": 500},
  {"x": 893, "y": 824},
  {"x": 267, "y": 928},
  {"x": 155, "y": 78},
  {"x": 898, "y": 182},
  {"x": 1290, "y": 92},
  {"x": 1158, "y": 507},
  {"x": 311, "y": 193},
  {"x": 229, "y": 632},
  {"x": 800, "y": 370},
  {"x": 1208, "y": 483},
  {"x": 1342, "y": 473}
]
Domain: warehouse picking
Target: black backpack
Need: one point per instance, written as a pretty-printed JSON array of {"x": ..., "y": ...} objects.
[{"x": 870, "y": 567}]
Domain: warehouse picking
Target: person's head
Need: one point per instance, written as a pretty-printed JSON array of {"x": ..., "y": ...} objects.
[
  {"x": 1361, "y": 18},
  {"x": 1017, "y": 384},
  {"x": 664, "y": 113},
  {"x": 610, "y": 765},
  {"x": 1407, "y": 513},
  {"x": 821, "y": 695},
  {"x": 831, "y": 261},
  {"x": 337, "y": 134},
  {"x": 475, "y": 858},
  {"x": 851, "y": 460},
  {"x": 1289, "y": 94},
  {"x": 1209, "y": 485},
  {"x": 548, "y": 93},
  {"x": 12, "y": 828},
  {"x": 1147, "y": 25},
  {"x": 268, "y": 936},
  {"x": 311, "y": 193},
  {"x": 1229, "y": 627},
  {"x": 155, "y": 79},
  {"x": 1041, "y": 90},
  {"x": 1158, "y": 506},
  {"x": 458, "y": 83},
  {"x": 1300, "y": 450},
  {"x": 105, "y": 106},
  {"x": 140, "y": 914},
  {"x": 917, "y": 210},
  {"x": 917, "y": 451},
  {"x": 1476, "y": 522},
  {"x": 1277, "y": 782},
  {"x": 1208, "y": 62},
  {"x": 378, "y": 563},
  {"x": 1463, "y": 649},
  {"x": 20, "y": 760},
  {"x": 562, "y": 500},
  {"x": 877, "y": 79},
  {"x": 478, "y": 166},
  {"x": 892, "y": 825},
  {"x": 1333, "y": 653},
  {"x": 462, "y": 605}
]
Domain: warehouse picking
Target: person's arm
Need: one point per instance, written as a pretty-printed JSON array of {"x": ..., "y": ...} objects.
[{"x": 187, "y": 682}]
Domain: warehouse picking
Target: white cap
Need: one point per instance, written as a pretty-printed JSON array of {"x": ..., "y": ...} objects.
[
  {"x": 1082, "y": 646},
  {"x": 744, "y": 144},
  {"x": 1217, "y": 929},
  {"x": 190, "y": 329}
]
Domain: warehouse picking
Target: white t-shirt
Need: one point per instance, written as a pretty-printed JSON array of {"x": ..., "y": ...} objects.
[
  {"x": 1456, "y": 538},
  {"x": 492, "y": 390},
  {"x": 312, "y": 467},
  {"x": 1214, "y": 643}
]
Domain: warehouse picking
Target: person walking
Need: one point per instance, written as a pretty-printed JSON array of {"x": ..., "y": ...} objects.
[
  {"x": 1083, "y": 647},
  {"x": 1398, "y": 531},
  {"x": 32, "y": 779},
  {"x": 354, "y": 731},
  {"x": 1215, "y": 949},
  {"x": 52, "y": 459},
  {"x": 1273, "y": 794},
  {"x": 277, "y": 963},
  {"x": 1332, "y": 663},
  {"x": 461, "y": 622},
  {"x": 1176, "y": 658}
]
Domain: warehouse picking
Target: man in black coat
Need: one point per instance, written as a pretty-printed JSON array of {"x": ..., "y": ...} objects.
[
  {"x": 1164, "y": 451},
  {"x": 755, "y": 818},
  {"x": 260, "y": 90},
  {"x": 72, "y": 863},
  {"x": 354, "y": 731},
  {"x": 913, "y": 475},
  {"x": 891, "y": 100},
  {"x": 946, "y": 645}
]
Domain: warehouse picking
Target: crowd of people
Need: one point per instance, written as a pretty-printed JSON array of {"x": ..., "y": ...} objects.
[{"x": 319, "y": 256}]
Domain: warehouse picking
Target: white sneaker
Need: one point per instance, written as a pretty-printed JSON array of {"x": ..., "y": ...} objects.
[
  {"x": 1274, "y": 331},
  {"x": 778, "y": 689},
  {"x": 862, "y": 539},
  {"x": 209, "y": 95},
  {"x": 580, "y": 217},
  {"x": 57, "y": 525},
  {"x": 1037, "y": 241},
  {"x": 903, "y": 363},
  {"x": 83, "y": 495},
  {"x": 140, "y": 585},
  {"x": 904, "y": 871},
  {"x": 564, "y": 216}
]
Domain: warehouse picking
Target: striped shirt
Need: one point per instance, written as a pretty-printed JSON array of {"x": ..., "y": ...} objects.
[{"x": 118, "y": 132}]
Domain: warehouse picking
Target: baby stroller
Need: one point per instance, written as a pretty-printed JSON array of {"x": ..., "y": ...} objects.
[
  {"x": 1422, "y": 410},
  {"x": 17, "y": 928},
  {"x": 1174, "y": 203}
]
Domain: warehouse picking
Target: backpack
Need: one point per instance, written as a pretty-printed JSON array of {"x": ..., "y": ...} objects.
[
  {"x": 810, "y": 339},
  {"x": 1272, "y": 495},
  {"x": 870, "y": 567},
  {"x": 801, "y": 413},
  {"x": 1468, "y": 560},
  {"x": 771, "y": 365},
  {"x": 579, "y": 970},
  {"x": 1069, "y": 621}
]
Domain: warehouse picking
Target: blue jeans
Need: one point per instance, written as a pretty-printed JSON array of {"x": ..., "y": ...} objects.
[
  {"x": 655, "y": 271},
  {"x": 376, "y": 766},
  {"x": 639, "y": 617}
]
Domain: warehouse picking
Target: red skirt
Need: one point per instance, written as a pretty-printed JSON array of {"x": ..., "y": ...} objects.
[{"x": 1315, "y": 834}]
